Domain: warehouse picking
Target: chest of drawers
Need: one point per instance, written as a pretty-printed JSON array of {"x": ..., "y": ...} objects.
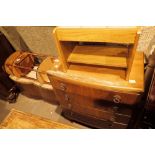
[{"x": 111, "y": 109}]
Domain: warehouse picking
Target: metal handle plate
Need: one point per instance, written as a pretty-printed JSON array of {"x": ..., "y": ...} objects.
[
  {"x": 62, "y": 86},
  {"x": 117, "y": 99}
]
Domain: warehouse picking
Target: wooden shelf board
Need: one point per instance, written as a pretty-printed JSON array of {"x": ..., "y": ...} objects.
[
  {"x": 96, "y": 71},
  {"x": 99, "y": 55}
]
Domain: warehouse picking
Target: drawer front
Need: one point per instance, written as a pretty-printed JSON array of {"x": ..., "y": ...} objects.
[
  {"x": 92, "y": 121},
  {"x": 87, "y": 106},
  {"x": 112, "y": 96},
  {"x": 99, "y": 114}
]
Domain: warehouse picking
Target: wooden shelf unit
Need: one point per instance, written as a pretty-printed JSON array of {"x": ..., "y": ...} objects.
[{"x": 108, "y": 48}]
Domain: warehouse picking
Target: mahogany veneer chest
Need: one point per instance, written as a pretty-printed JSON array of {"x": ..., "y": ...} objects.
[{"x": 100, "y": 79}]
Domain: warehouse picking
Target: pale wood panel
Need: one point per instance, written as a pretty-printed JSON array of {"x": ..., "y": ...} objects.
[
  {"x": 137, "y": 70},
  {"x": 113, "y": 35},
  {"x": 132, "y": 52},
  {"x": 64, "y": 49},
  {"x": 43, "y": 67},
  {"x": 96, "y": 71},
  {"x": 99, "y": 55},
  {"x": 21, "y": 120}
]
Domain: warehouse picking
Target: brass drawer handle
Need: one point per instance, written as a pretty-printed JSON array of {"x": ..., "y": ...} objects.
[
  {"x": 62, "y": 86},
  {"x": 117, "y": 99}
]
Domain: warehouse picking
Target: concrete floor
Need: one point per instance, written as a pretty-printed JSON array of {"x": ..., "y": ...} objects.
[{"x": 37, "y": 107}]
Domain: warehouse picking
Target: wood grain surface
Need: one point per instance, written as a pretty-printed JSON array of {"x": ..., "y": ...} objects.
[
  {"x": 21, "y": 120},
  {"x": 114, "y": 35},
  {"x": 100, "y": 55},
  {"x": 47, "y": 64},
  {"x": 100, "y": 79},
  {"x": 68, "y": 40}
]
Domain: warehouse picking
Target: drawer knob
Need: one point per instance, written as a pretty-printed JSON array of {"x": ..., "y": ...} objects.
[
  {"x": 117, "y": 99},
  {"x": 62, "y": 86}
]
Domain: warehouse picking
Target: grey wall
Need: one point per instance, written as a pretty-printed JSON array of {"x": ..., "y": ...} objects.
[{"x": 37, "y": 39}]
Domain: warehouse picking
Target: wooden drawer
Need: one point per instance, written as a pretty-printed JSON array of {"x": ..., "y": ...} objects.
[
  {"x": 87, "y": 106},
  {"x": 112, "y": 96},
  {"x": 99, "y": 114},
  {"x": 92, "y": 121}
]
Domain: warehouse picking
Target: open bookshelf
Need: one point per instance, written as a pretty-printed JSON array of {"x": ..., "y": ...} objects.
[{"x": 108, "y": 49}]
